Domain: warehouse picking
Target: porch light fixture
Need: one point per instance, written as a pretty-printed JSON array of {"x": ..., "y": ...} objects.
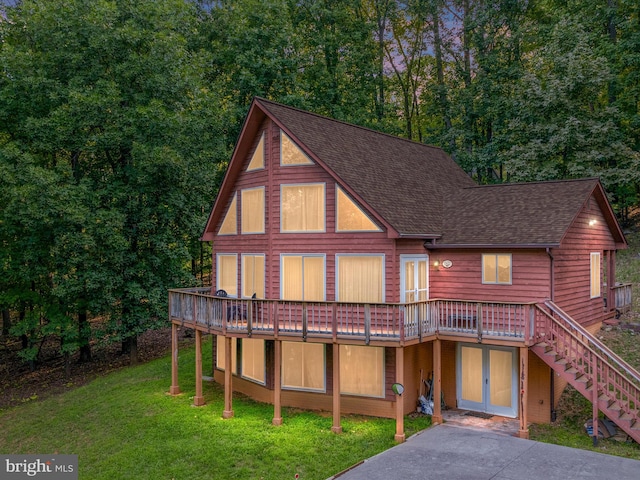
[
  {"x": 436, "y": 263},
  {"x": 592, "y": 222}
]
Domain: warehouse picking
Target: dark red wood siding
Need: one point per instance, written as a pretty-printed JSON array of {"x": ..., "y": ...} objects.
[
  {"x": 273, "y": 243},
  {"x": 463, "y": 281},
  {"x": 572, "y": 265}
]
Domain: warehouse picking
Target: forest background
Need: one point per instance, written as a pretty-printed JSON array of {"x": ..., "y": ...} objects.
[{"x": 118, "y": 119}]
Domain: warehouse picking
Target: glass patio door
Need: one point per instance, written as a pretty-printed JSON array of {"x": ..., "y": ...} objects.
[{"x": 487, "y": 379}]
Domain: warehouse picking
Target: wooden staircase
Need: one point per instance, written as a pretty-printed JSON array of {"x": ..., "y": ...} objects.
[{"x": 607, "y": 381}]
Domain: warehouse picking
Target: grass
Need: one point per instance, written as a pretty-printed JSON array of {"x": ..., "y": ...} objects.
[{"x": 124, "y": 425}]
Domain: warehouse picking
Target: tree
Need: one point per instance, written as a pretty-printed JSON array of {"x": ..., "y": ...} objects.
[
  {"x": 563, "y": 125},
  {"x": 105, "y": 99}
]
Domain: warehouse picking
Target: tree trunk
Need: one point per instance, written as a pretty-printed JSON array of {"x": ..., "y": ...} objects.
[
  {"x": 442, "y": 87},
  {"x": 84, "y": 336},
  {"x": 130, "y": 346},
  {"x": 6, "y": 321}
]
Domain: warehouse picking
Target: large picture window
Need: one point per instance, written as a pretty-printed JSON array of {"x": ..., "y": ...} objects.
[
  {"x": 253, "y": 210},
  {"x": 253, "y": 276},
  {"x": 496, "y": 268},
  {"x": 303, "y": 277},
  {"x": 303, "y": 366},
  {"x": 227, "y": 273},
  {"x": 595, "y": 275},
  {"x": 302, "y": 208},
  {"x": 253, "y": 365},
  {"x": 360, "y": 278},
  {"x": 362, "y": 370}
]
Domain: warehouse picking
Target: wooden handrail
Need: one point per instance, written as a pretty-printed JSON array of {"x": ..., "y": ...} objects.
[{"x": 615, "y": 359}]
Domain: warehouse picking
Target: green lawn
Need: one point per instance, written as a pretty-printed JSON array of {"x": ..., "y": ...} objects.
[{"x": 124, "y": 426}]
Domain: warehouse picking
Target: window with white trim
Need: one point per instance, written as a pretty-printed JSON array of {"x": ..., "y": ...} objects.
[
  {"x": 496, "y": 268},
  {"x": 257, "y": 160},
  {"x": 253, "y": 275},
  {"x": 362, "y": 370},
  {"x": 596, "y": 275},
  {"x": 302, "y": 277},
  {"x": 350, "y": 217},
  {"x": 252, "y": 210},
  {"x": 253, "y": 363},
  {"x": 290, "y": 153},
  {"x": 227, "y": 273},
  {"x": 221, "y": 358},
  {"x": 230, "y": 223},
  {"x": 302, "y": 208},
  {"x": 303, "y": 366},
  {"x": 360, "y": 278}
]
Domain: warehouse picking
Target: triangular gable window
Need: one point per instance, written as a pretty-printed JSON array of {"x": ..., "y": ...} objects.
[
  {"x": 350, "y": 217},
  {"x": 257, "y": 161},
  {"x": 230, "y": 223},
  {"x": 290, "y": 153}
]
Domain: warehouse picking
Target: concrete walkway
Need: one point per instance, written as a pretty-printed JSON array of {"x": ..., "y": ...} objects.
[{"x": 452, "y": 452}]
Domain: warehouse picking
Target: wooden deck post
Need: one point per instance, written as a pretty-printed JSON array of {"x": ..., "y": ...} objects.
[
  {"x": 524, "y": 392},
  {"x": 436, "y": 418},
  {"x": 174, "y": 389},
  {"x": 198, "y": 399},
  {"x": 400, "y": 436},
  {"x": 277, "y": 384},
  {"x": 336, "y": 427},
  {"x": 228, "y": 376}
]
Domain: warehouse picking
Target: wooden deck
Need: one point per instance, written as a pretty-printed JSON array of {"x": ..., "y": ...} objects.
[{"x": 391, "y": 324}]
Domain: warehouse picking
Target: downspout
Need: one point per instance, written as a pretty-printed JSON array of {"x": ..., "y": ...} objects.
[{"x": 552, "y": 373}]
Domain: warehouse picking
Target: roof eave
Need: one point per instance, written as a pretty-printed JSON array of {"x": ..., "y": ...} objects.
[{"x": 520, "y": 246}]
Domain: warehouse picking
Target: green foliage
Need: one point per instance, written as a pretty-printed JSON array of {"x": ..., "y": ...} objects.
[
  {"x": 110, "y": 162},
  {"x": 118, "y": 118}
]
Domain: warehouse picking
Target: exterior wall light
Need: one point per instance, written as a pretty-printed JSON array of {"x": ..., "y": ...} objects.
[
  {"x": 397, "y": 388},
  {"x": 592, "y": 222}
]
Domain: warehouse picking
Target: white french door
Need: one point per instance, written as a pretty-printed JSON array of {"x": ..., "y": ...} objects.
[
  {"x": 414, "y": 280},
  {"x": 487, "y": 379},
  {"x": 414, "y": 287}
]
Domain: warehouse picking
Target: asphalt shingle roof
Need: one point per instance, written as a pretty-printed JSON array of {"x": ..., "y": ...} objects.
[
  {"x": 420, "y": 191},
  {"x": 403, "y": 181},
  {"x": 514, "y": 214}
]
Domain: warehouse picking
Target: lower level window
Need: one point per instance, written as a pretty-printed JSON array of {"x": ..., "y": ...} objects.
[
  {"x": 253, "y": 359},
  {"x": 362, "y": 370},
  {"x": 221, "y": 356},
  {"x": 303, "y": 366}
]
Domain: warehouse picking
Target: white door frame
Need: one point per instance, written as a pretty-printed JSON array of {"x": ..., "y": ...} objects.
[
  {"x": 485, "y": 405},
  {"x": 404, "y": 258}
]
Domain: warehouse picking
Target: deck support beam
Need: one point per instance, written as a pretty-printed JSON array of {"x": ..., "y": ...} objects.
[
  {"x": 436, "y": 418},
  {"x": 277, "y": 387},
  {"x": 336, "y": 427},
  {"x": 174, "y": 389},
  {"x": 228, "y": 376},
  {"x": 400, "y": 435},
  {"x": 524, "y": 392},
  {"x": 198, "y": 399}
]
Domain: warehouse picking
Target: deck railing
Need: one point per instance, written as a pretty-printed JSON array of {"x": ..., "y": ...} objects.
[
  {"x": 614, "y": 385},
  {"x": 367, "y": 321}
]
